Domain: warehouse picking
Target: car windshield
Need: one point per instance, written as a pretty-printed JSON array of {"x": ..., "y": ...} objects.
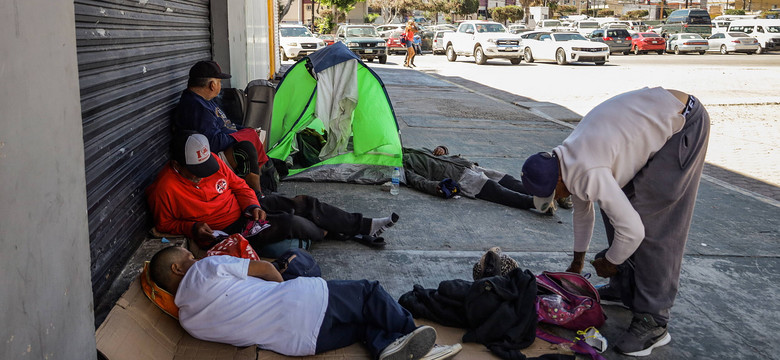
[
  {"x": 589, "y": 25},
  {"x": 618, "y": 33},
  {"x": 295, "y": 32},
  {"x": 567, "y": 37},
  {"x": 362, "y": 31},
  {"x": 738, "y": 34},
  {"x": 690, "y": 36},
  {"x": 700, "y": 17},
  {"x": 773, "y": 29},
  {"x": 549, "y": 23},
  {"x": 490, "y": 28}
]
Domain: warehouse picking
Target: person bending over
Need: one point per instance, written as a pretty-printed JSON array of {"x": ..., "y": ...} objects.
[
  {"x": 196, "y": 193},
  {"x": 640, "y": 156},
  {"x": 242, "y": 302}
]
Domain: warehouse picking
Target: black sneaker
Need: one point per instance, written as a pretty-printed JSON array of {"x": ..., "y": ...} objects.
[
  {"x": 565, "y": 203},
  {"x": 610, "y": 296},
  {"x": 642, "y": 336}
]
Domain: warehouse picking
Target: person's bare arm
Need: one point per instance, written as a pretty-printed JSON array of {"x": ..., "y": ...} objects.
[{"x": 264, "y": 270}]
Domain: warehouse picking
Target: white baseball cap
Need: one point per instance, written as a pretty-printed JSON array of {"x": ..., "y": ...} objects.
[{"x": 192, "y": 151}]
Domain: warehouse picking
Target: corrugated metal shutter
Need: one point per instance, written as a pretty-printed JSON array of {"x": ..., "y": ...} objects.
[{"x": 134, "y": 57}]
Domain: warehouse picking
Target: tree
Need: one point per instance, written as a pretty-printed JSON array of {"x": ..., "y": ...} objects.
[
  {"x": 567, "y": 9},
  {"x": 390, "y": 9},
  {"x": 552, "y": 7},
  {"x": 284, "y": 9},
  {"x": 465, "y": 7},
  {"x": 340, "y": 6},
  {"x": 437, "y": 6},
  {"x": 606, "y": 12},
  {"x": 509, "y": 13},
  {"x": 636, "y": 14},
  {"x": 526, "y": 4}
]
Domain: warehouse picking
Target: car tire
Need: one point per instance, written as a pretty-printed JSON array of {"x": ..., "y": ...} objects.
[
  {"x": 370, "y": 59},
  {"x": 284, "y": 55},
  {"x": 751, "y": 52},
  {"x": 515, "y": 61},
  {"x": 451, "y": 55},
  {"x": 626, "y": 52},
  {"x": 383, "y": 59},
  {"x": 677, "y": 50},
  {"x": 660, "y": 52},
  {"x": 724, "y": 50},
  {"x": 560, "y": 56},
  {"x": 528, "y": 56},
  {"x": 600, "y": 62},
  {"x": 760, "y": 50},
  {"x": 479, "y": 56},
  {"x": 702, "y": 52},
  {"x": 636, "y": 50}
]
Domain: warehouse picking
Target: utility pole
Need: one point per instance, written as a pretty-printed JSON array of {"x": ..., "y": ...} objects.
[{"x": 312, "y": 16}]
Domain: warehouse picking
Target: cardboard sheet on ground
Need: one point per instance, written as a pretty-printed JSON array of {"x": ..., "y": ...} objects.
[{"x": 136, "y": 329}]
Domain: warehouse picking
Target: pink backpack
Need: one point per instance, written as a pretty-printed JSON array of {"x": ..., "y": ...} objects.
[{"x": 568, "y": 300}]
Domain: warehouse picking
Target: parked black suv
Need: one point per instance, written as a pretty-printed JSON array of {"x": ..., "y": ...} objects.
[{"x": 364, "y": 41}]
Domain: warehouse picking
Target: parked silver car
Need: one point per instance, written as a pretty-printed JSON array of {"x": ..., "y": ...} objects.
[
  {"x": 733, "y": 41},
  {"x": 437, "y": 45},
  {"x": 687, "y": 42}
]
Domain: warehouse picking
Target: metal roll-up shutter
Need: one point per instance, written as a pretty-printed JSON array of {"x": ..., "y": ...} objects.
[{"x": 134, "y": 57}]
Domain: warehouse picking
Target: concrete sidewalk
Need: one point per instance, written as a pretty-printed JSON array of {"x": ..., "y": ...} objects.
[{"x": 725, "y": 305}]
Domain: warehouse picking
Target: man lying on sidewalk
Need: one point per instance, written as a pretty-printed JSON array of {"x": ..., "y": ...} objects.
[
  {"x": 425, "y": 170},
  {"x": 242, "y": 302},
  {"x": 196, "y": 193},
  {"x": 640, "y": 155}
]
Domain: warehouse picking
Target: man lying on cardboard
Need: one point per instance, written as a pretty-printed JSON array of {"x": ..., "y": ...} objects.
[{"x": 244, "y": 302}]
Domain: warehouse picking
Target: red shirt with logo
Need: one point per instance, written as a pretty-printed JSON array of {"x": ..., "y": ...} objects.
[{"x": 218, "y": 200}]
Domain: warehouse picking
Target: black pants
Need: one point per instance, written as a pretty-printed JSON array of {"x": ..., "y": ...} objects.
[
  {"x": 508, "y": 191},
  {"x": 362, "y": 311},
  {"x": 302, "y": 217}
]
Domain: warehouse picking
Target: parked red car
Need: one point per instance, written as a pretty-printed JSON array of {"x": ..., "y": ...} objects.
[
  {"x": 394, "y": 44},
  {"x": 643, "y": 42},
  {"x": 327, "y": 38}
]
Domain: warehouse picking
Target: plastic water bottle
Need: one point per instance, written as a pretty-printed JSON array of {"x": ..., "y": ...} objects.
[{"x": 395, "y": 182}]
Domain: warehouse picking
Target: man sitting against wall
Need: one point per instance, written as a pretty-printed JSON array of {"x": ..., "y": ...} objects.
[
  {"x": 239, "y": 147},
  {"x": 196, "y": 193}
]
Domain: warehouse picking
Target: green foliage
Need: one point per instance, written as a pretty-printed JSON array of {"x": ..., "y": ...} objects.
[
  {"x": 567, "y": 9},
  {"x": 734, "y": 12},
  {"x": 590, "y": 12},
  {"x": 369, "y": 18},
  {"x": 636, "y": 14},
  {"x": 466, "y": 7},
  {"x": 606, "y": 12},
  {"x": 448, "y": 19},
  {"x": 324, "y": 22},
  {"x": 509, "y": 13}
]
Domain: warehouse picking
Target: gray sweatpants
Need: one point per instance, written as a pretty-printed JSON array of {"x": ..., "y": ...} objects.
[{"x": 663, "y": 192}]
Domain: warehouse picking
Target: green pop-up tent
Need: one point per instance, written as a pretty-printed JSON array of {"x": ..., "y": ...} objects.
[{"x": 371, "y": 141}]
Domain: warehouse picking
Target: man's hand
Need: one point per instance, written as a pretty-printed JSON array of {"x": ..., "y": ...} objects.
[
  {"x": 439, "y": 150},
  {"x": 577, "y": 263},
  {"x": 604, "y": 268},
  {"x": 203, "y": 231},
  {"x": 257, "y": 214}
]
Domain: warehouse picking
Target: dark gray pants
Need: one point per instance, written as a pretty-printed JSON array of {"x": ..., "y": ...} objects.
[{"x": 663, "y": 192}]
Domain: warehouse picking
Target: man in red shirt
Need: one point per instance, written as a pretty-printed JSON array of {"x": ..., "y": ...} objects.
[{"x": 196, "y": 193}]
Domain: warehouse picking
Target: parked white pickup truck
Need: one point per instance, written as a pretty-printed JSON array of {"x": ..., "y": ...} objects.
[{"x": 483, "y": 40}]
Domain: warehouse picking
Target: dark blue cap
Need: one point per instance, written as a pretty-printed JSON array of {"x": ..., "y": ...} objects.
[{"x": 540, "y": 174}]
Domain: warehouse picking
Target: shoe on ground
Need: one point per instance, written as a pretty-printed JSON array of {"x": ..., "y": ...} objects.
[
  {"x": 412, "y": 346},
  {"x": 565, "y": 203},
  {"x": 610, "y": 296},
  {"x": 442, "y": 352},
  {"x": 642, "y": 336}
]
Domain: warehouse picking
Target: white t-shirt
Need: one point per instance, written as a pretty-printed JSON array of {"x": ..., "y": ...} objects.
[
  {"x": 605, "y": 151},
  {"x": 218, "y": 302}
]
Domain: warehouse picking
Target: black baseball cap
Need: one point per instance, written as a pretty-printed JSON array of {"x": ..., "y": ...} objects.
[{"x": 207, "y": 69}]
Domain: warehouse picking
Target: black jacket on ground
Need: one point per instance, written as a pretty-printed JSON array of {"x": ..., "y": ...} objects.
[{"x": 498, "y": 312}]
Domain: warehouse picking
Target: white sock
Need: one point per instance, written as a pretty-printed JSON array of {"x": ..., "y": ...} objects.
[{"x": 379, "y": 225}]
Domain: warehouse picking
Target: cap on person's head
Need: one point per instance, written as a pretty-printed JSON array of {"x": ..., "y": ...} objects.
[
  {"x": 192, "y": 151},
  {"x": 207, "y": 69},
  {"x": 540, "y": 178}
]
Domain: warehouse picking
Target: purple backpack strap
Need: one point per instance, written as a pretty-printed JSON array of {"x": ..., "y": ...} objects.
[{"x": 579, "y": 347}]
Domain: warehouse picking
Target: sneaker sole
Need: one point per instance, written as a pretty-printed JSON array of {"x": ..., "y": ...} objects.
[
  {"x": 665, "y": 340},
  {"x": 415, "y": 346},
  {"x": 455, "y": 349}
]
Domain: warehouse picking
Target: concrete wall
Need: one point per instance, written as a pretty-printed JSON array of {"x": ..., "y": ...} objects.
[{"x": 45, "y": 289}]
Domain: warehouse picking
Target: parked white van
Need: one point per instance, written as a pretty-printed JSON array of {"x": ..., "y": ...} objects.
[{"x": 766, "y": 31}]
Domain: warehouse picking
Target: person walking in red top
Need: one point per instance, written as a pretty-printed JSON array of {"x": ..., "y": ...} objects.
[
  {"x": 411, "y": 29},
  {"x": 197, "y": 193}
]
